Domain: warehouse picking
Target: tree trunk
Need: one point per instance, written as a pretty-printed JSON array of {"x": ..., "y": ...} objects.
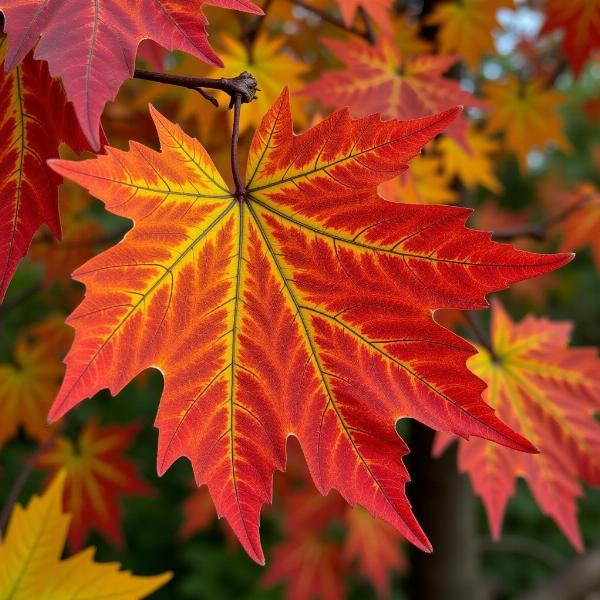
[{"x": 444, "y": 505}]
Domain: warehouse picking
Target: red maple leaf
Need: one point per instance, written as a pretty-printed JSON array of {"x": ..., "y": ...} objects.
[
  {"x": 378, "y": 79},
  {"x": 303, "y": 307},
  {"x": 35, "y": 118},
  {"x": 97, "y": 475},
  {"x": 549, "y": 392},
  {"x": 92, "y": 45},
  {"x": 379, "y": 10}
]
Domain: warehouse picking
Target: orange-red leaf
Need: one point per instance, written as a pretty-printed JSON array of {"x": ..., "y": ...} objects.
[
  {"x": 579, "y": 22},
  {"x": 304, "y": 308},
  {"x": 549, "y": 392},
  {"x": 97, "y": 474},
  {"x": 379, "y": 79},
  {"x": 92, "y": 45},
  {"x": 35, "y": 118}
]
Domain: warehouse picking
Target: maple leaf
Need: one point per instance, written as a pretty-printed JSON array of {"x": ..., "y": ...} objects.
[
  {"x": 466, "y": 27},
  {"x": 549, "y": 392},
  {"x": 31, "y": 567},
  {"x": 311, "y": 567},
  {"x": 378, "y": 79},
  {"x": 526, "y": 113},
  {"x": 30, "y": 382},
  {"x": 304, "y": 307},
  {"x": 96, "y": 475},
  {"x": 376, "y": 547},
  {"x": 378, "y": 10},
  {"x": 582, "y": 227},
  {"x": 35, "y": 118},
  {"x": 475, "y": 167},
  {"x": 92, "y": 46},
  {"x": 579, "y": 21}
]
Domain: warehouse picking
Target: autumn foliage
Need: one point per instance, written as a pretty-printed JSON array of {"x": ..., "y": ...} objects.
[{"x": 293, "y": 232}]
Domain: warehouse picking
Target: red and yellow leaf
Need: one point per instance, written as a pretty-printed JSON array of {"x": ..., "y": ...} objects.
[
  {"x": 97, "y": 474},
  {"x": 35, "y": 118},
  {"x": 303, "y": 307},
  {"x": 31, "y": 565},
  {"x": 549, "y": 392},
  {"x": 92, "y": 45},
  {"x": 379, "y": 79}
]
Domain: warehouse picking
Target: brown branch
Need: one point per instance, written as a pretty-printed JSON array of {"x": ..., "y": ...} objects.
[
  {"x": 251, "y": 32},
  {"x": 240, "y": 188},
  {"x": 23, "y": 476},
  {"x": 20, "y": 297},
  {"x": 369, "y": 30},
  {"x": 333, "y": 20},
  {"x": 244, "y": 85},
  {"x": 479, "y": 334},
  {"x": 539, "y": 231},
  {"x": 576, "y": 580}
]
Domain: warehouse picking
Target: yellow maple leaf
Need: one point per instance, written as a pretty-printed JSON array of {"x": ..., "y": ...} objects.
[
  {"x": 466, "y": 27},
  {"x": 27, "y": 387},
  {"x": 472, "y": 168},
  {"x": 30, "y": 559},
  {"x": 422, "y": 183},
  {"x": 526, "y": 113}
]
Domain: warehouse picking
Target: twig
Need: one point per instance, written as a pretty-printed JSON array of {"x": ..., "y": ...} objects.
[
  {"x": 479, "y": 334},
  {"x": 240, "y": 188},
  {"x": 576, "y": 580},
  {"x": 369, "y": 31},
  {"x": 538, "y": 231},
  {"x": 251, "y": 32},
  {"x": 22, "y": 477},
  {"x": 20, "y": 297},
  {"x": 333, "y": 20},
  {"x": 244, "y": 85},
  {"x": 517, "y": 544}
]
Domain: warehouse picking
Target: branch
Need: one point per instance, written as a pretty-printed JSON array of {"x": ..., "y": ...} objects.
[
  {"x": 244, "y": 85},
  {"x": 538, "y": 231},
  {"x": 479, "y": 334},
  {"x": 336, "y": 21},
  {"x": 22, "y": 477},
  {"x": 17, "y": 300},
  {"x": 251, "y": 32},
  {"x": 577, "y": 580},
  {"x": 369, "y": 30},
  {"x": 240, "y": 188}
]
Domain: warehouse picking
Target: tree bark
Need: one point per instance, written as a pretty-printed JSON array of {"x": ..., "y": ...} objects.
[{"x": 444, "y": 505}]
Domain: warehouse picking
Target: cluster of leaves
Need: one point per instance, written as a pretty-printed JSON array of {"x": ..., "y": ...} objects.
[{"x": 298, "y": 299}]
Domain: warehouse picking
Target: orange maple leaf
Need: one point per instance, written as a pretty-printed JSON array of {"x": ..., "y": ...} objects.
[
  {"x": 379, "y": 79},
  {"x": 549, "y": 392},
  {"x": 302, "y": 306}
]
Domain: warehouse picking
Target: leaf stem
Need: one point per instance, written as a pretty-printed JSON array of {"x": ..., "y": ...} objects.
[
  {"x": 479, "y": 334},
  {"x": 240, "y": 188},
  {"x": 244, "y": 85}
]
